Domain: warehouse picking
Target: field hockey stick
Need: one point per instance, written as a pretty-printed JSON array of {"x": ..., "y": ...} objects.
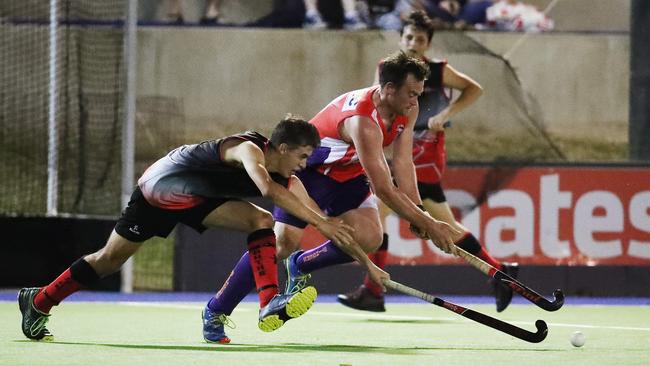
[
  {"x": 523, "y": 334},
  {"x": 515, "y": 285}
]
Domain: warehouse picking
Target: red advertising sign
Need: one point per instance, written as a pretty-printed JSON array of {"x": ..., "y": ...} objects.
[{"x": 540, "y": 215}]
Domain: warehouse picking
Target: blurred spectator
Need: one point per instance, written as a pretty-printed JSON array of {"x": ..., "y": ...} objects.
[
  {"x": 210, "y": 16},
  {"x": 514, "y": 15},
  {"x": 507, "y": 15},
  {"x": 351, "y": 18},
  {"x": 371, "y": 10},
  {"x": 175, "y": 12},
  {"x": 443, "y": 13},
  {"x": 473, "y": 13},
  {"x": 211, "y": 12},
  {"x": 393, "y": 20},
  {"x": 285, "y": 14}
]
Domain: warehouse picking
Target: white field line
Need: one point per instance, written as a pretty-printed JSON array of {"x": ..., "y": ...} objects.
[{"x": 383, "y": 316}]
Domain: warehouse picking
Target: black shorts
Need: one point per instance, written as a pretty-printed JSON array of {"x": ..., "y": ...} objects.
[
  {"x": 432, "y": 191},
  {"x": 140, "y": 220}
]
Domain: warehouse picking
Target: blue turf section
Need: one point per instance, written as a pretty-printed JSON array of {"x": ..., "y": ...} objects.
[{"x": 90, "y": 296}]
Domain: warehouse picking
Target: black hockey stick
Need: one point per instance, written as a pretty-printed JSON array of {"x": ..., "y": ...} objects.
[
  {"x": 523, "y": 334},
  {"x": 515, "y": 285}
]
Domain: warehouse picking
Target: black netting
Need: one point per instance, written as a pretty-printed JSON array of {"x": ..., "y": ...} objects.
[
  {"x": 88, "y": 91},
  {"x": 515, "y": 130}
]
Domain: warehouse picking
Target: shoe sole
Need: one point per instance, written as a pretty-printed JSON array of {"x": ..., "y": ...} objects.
[
  {"x": 297, "y": 306},
  {"x": 301, "y": 302},
  {"x": 222, "y": 341},
  {"x": 23, "y": 302}
]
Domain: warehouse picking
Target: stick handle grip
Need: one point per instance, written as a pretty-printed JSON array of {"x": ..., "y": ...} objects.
[
  {"x": 409, "y": 291},
  {"x": 476, "y": 262}
]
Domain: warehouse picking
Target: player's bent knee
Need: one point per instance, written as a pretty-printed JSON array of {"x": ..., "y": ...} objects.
[
  {"x": 263, "y": 220},
  {"x": 287, "y": 242},
  {"x": 105, "y": 263},
  {"x": 370, "y": 242},
  {"x": 285, "y": 249}
]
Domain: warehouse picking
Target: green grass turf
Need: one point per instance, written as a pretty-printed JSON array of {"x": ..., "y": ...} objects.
[{"x": 408, "y": 334}]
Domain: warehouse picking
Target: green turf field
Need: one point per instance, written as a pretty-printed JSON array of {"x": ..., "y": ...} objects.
[{"x": 159, "y": 334}]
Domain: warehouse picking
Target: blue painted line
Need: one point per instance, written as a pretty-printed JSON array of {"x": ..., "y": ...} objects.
[{"x": 91, "y": 296}]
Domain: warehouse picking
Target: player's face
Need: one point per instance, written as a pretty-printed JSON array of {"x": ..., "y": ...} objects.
[
  {"x": 405, "y": 98},
  {"x": 294, "y": 159},
  {"x": 414, "y": 42}
]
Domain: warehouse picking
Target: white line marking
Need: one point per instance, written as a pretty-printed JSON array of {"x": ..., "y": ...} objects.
[
  {"x": 597, "y": 326},
  {"x": 377, "y": 316},
  {"x": 161, "y": 305},
  {"x": 384, "y": 316}
]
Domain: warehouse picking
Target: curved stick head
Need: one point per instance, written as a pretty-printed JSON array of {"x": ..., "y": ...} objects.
[
  {"x": 542, "y": 331},
  {"x": 559, "y": 299}
]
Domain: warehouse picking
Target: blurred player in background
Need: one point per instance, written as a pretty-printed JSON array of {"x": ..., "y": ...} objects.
[
  {"x": 203, "y": 186},
  {"x": 430, "y": 159},
  {"x": 349, "y": 168}
]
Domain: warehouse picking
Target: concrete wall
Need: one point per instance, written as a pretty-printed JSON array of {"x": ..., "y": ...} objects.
[
  {"x": 230, "y": 79},
  {"x": 588, "y": 15},
  {"x": 580, "y": 81}
]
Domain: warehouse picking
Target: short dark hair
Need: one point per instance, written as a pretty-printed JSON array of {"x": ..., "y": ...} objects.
[
  {"x": 295, "y": 132},
  {"x": 420, "y": 21},
  {"x": 396, "y": 67}
]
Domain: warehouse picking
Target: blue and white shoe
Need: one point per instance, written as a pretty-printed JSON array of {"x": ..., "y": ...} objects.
[
  {"x": 284, "y": 307},
  {"x": 296, "y": 280},
  {"x": 354, "y": 23},
  {"x": 313, "y": 21},
  {"x": 213, "y": 326}
]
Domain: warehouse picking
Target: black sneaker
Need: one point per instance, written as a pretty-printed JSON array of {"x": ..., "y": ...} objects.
[
  {"x": 362, "y": 299},
  {"x": 33, "y": 320},
  {"x": 209, "y": 21},
  {"x": 503, "y": 293}
]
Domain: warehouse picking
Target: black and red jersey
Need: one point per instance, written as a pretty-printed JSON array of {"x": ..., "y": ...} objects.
[{"x": 190, "y": 173}]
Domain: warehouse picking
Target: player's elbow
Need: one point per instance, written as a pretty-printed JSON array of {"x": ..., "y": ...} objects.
[
  {"x": 268, "y": 193},
  {"x": 271, "y": 192},
  {"x": 477, "y": 89},
  {"x": 266, "y": 190}
]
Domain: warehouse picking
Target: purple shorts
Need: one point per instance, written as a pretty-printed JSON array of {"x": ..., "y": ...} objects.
[{"x": 334, "y": 198}]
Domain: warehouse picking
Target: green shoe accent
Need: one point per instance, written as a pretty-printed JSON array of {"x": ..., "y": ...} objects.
[
  {"x": 296, "y": 280},
  {"x": 301, "y": 302},
  {"x": 284, "y": 307}
]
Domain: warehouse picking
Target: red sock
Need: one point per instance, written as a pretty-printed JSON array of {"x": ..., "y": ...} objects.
[
  {"x": 261, "y": 250},
  {"x": 55, "y": 292},
  {"x": 489, "y": 259},
  {"x": 379, "y": 259},
  {"x": 472, "y": 245}
]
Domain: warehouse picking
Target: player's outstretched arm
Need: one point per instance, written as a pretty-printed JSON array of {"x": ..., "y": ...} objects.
[
  {"x": 402, "y": 163},
  {"x": 367, "y": 138},
  {"x": 253, "y": 160}
]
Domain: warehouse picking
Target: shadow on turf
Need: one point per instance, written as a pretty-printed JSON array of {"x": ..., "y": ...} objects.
[
  {"x": 406, "y": 321},
  {"x": 293, "y": 347}
]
